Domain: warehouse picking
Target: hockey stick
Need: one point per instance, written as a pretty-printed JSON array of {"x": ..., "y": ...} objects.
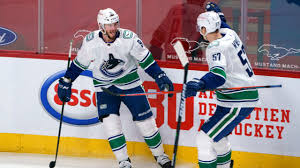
[
  {"x": 139, "y": 94},
  {"x": 53, "y": 163},
  {"x": 185, "y": 63},
  {"x": 179, "y": 91}
]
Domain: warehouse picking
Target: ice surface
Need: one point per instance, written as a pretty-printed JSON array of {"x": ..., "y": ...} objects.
[{"x": 24, "y": 160}]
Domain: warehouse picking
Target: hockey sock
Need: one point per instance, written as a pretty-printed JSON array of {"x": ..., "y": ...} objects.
[
  {"x": 151, "y": 135},
  {"x": 223, "y": 149},
  {"x": 154, "y": 143},
  {"x": 207, "y": 164},
  {"x": 118, "y": 146},
  {"x": 116, "y": 139},
  {"x": 207, "y": 155},
  {"x": 223, "y": 161}
]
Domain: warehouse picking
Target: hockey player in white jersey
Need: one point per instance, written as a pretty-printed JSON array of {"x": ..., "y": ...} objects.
[
  {"x": 228, "y": 67},
  {"x": 115, "y": 52}
]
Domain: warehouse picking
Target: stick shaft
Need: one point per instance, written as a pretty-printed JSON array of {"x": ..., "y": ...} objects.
[
  {"x": 70, "y": 53},
  {"x": 59, "y": 130},
  {"x": 62, "y": 109},
  {"x": 180, "y": 111},
  {"x": 249, "y": 87},
  {"x": 179, "y": 91}
]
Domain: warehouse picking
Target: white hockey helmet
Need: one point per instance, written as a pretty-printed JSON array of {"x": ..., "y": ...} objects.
[
  {"x": 210, "y": 20},
  {"x": 107, "y": 16}
]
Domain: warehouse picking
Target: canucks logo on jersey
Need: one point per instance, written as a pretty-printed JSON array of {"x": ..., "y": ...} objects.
[{"x": 108, "y": 68}]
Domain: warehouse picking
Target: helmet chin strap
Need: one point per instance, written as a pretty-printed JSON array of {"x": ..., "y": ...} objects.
[{"x": 102, "y": 29}]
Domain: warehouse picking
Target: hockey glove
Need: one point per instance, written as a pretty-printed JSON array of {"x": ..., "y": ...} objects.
[
  {"x": 64, "y": 89},
  {"x": 211, "y": 6},
  {"x": 193, "y": 86},
  {"x": 164, "y": 82}
]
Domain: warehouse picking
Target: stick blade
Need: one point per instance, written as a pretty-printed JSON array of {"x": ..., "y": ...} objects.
[
  {"x": 52, "y": 164},
  {"x": 181, "y": 53}
]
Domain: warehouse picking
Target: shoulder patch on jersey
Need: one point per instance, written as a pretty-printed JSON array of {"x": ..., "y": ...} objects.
[
  {"x": 90, "y": 36},
  {"x": 127, "y": 34},
  {"x": 213, "y": 44}
]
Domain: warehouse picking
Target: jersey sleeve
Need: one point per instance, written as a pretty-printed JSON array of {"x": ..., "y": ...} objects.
[
  {"x": 216, "y": 60},
  {"x": 141, "y": 53},
  {"x": 84, "y": 58},
  {"x": 81, "y": 61}
]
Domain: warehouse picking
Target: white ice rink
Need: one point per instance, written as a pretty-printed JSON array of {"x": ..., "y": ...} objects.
[{"x": 24, "y": 160}]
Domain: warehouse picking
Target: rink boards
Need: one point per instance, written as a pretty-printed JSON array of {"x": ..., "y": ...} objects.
[{"x": 30, "y": 111}]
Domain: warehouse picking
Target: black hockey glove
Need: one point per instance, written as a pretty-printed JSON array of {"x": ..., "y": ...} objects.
[
  {"x": 193, "y": 86},
  {"x": 164, "y": 82},
  {"x": 211, "y": 6},
  {"x": 64, "y": 89}
]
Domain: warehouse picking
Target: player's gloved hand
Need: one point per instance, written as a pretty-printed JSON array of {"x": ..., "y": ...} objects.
[
  {"x": 64, "y": 89},
  {"x": 211, "y": 6},
  {"x": 193, "y": 86},
  {"x": 164, "y": 82}
]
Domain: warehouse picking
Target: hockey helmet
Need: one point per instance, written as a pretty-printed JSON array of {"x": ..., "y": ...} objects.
[
  {"x": 210, "y": 20},
  {"x": 107, "y": 16}
]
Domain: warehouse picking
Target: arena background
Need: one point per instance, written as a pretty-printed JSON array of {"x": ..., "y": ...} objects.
[{"x": 34, "y": 41}]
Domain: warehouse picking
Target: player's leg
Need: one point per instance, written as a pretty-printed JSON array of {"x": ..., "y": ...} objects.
[
  {"x": 143, "y": 117},
  {"x": 152, "y": 137},
  {"x": 219, "y": 126},
  {"x": 223, "y": 149},
  {"x": 207, "y": 155},
  {"x": 116, "y": 139},
  {"x": 108, "y": 110}
]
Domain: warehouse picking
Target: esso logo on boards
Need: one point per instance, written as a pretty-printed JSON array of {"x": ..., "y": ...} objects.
[{"x": 81, "y": 109}]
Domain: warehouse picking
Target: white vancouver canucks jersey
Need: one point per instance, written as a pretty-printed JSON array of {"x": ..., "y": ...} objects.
[
  {"x": 114, "y": 63},
  {"x": 227, "y": 58}
]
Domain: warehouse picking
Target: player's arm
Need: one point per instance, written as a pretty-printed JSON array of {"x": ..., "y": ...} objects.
[
  {"x": 150, "y": 66},
  {"x": 78, "y": 65},
  {"x": 81, "y": 61},
  {"x": 211, "y": 6},
  {"x": 216, "y": 76}
]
